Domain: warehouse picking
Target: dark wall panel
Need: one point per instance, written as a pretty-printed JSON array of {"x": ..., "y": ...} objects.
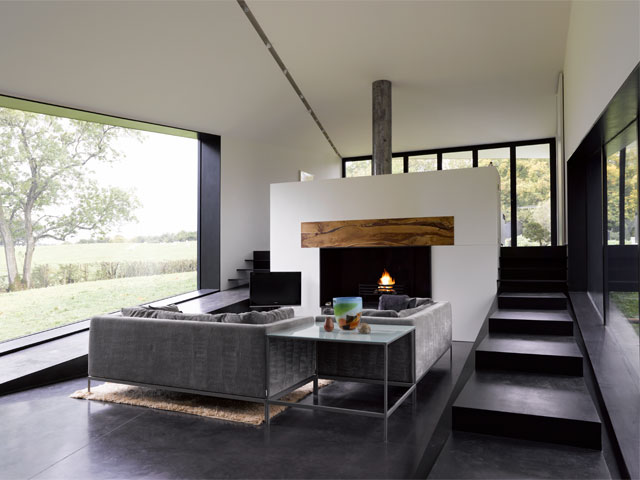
[
  {"x": 209, "y": 211},
  {"x": 577, "y": 225}
]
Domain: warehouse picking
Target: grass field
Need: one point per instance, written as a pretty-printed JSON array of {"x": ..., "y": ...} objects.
[
  {"x": 31, "y": 311},
  {"x": 627, "y": 302},
  {"x": 105, "y": 252}
]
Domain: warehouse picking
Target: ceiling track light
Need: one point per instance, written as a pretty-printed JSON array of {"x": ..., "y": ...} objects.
[{"x": 278, "y": 60}]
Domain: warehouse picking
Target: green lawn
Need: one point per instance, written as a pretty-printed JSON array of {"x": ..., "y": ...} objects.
[
  {"x": 105, "y": 252},
  {"x": 627, "y": 302},
  {"x": 31, "y": 311}
]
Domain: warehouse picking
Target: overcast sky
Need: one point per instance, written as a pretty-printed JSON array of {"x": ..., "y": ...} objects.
[{"x": 162, "y": 171}]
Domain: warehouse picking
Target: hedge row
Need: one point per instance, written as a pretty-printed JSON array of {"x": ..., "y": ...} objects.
[{"x": 46, "y": 275}]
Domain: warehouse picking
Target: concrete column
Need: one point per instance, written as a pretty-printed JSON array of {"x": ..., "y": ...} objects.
[{"x": 381, "y": 127}]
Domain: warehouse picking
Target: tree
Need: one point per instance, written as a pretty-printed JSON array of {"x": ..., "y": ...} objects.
[{"x": 46, "y": 184}]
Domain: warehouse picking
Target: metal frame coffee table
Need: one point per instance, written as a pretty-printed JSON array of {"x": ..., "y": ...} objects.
[{"x": 383, "y": 335}]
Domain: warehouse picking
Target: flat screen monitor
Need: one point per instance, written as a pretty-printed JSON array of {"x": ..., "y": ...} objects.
[{"x": 272, "y": 289}]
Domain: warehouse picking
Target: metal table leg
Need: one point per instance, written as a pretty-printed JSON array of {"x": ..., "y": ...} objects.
[
  {"x": 267, "y": 420},
  {"x": 315, "y": 379},
  {"x": 386, "y": 389},
  {"x": 414, "y": 397}
]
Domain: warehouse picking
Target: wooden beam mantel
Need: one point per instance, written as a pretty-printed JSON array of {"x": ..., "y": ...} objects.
[{"x": 382, "y": 232}]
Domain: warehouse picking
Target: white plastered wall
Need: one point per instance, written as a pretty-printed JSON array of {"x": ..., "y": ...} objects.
[
  {"x": 247, "y": 170},
  {"x": 464, "y": 274}
]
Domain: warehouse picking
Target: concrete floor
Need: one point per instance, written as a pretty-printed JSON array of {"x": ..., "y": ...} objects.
[{"x": 46, "y": 434}]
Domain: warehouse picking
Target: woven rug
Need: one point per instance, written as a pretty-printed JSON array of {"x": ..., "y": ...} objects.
[{"x": 221, "y": 408}]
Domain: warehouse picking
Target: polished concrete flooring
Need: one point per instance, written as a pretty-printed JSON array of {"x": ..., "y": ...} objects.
[{"x": 46, "y": 434}]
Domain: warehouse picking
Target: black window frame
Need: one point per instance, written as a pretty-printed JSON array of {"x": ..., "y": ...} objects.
[{"x": 551, "y": 141}]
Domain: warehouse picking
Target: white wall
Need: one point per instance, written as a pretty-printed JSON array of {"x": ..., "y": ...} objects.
[
  {"x": 603, "y": 47},
  {"x": 464, "y": 274},
  {"x": 248, "y": 168}
]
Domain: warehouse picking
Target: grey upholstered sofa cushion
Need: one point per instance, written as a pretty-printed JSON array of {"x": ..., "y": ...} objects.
[
  {"x": 379, "y": 313},
  {"x": 259, "y": 318},
  {"x": 142, "y": 312},
  {"x": 249, "y": 318},
  {"x": 393, "y": 302}
]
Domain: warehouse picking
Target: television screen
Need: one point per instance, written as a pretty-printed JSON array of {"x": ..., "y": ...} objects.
[{"x": 267, "y": 289}]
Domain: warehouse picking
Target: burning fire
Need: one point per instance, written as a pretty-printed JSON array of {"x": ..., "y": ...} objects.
[{"x": 386, "y": 279}]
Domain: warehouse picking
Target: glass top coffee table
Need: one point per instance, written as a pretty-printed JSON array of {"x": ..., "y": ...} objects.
[{"x": 381, "y": 335}]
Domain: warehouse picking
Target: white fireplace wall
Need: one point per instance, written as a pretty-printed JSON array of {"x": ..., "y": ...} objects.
[{"x": 464, "y": 274}]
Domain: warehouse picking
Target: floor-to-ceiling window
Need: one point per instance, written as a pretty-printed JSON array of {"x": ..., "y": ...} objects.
[
  {"x": 93, "y": 217},
  {"x": 527, "y": 200},
  {"x": 533, "y": 197},
  {"x": 621, "y": 227}
]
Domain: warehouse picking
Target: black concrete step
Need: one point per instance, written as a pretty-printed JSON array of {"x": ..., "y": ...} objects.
[
  {"x": 533, "y": 285},
  {"x": 548, "y": 408},
  {"x": 49, "y": 362},
  {"x": 534, "y": 252},
  {"x": 530, "y": 273},
  {"x": 534, "y": 263},
  {"x": 536, "y": 300},
  {"x": 542, "y": 322},
  {"x": 552, "y": 354}
]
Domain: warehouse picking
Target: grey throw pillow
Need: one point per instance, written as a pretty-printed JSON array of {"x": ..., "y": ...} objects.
[
  {"x": 139, "y": 312},
  {"x": 423, "y": 301},
  {"x": 260, "y": 318},
  {"x": 167, "y": 308},
  {"x": 393, "y": 302},
  {"x": 380, "y": 313},
  {"x": 271, "y": 316},
  {"x": 194, "y": 317}
]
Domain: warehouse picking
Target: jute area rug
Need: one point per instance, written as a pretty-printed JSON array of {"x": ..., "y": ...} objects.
[{"x": 221, "y": 408}]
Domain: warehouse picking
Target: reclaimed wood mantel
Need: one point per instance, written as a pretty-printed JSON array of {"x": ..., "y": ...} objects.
[{"x": 382, "y": 232}]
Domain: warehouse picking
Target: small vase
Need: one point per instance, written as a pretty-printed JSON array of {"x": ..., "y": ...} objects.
[
  {"x": 348, "y": 311},
  {"x": 328, "y": 324}
]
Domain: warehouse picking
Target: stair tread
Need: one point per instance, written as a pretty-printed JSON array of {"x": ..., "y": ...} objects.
[
  {"x": 533, "y": 295},
  {"x": 528, "y": 280},
  {"x": 548, "y": 345},
  {"x": 533, "y": 315},
  {"x": 553, "y": 396}
]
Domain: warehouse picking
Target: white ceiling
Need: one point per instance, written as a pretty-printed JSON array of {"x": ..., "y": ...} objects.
[{"x": 462, "y": 72}]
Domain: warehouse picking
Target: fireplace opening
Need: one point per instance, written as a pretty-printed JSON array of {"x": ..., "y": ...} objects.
[{"x": 369, "y": 272}]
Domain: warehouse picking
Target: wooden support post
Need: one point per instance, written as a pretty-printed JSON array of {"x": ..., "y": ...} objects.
[{"x": 381, "y": 127}]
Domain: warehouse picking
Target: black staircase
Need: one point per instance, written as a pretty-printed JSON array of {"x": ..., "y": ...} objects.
[
  {"x": 528, "y": 381},
  {"x": 260, "y": 262}
]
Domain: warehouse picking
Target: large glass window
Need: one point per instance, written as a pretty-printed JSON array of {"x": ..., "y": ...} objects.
[
  {"x": 533, "y": 192},
  {"x": 533, "y": 201},
  {"x": 93, "y": 217},
  {"x": 499, "y": 158},
  {"x": 453, "y": 160},
  {"x": 622, "y": 231},
  {"x": 423, "y": 163},
  {"x": 357, "y": 168},
  {"x": 397, "y": 165}
]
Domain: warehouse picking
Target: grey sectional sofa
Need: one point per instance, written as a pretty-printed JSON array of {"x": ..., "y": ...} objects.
[
  {"x": 207, "y": 357},
  {"x": 433, "y": 339}
]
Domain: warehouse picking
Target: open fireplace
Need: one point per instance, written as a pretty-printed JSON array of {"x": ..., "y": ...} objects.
[{"x": 368, "y": 272}]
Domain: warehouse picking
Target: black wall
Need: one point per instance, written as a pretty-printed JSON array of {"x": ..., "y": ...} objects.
[
  {"x": 208, "y": 211},
  {"x": 589, "y": 257}
]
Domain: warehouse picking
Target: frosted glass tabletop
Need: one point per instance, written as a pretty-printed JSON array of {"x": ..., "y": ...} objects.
[{"x": 380, "y": 334}]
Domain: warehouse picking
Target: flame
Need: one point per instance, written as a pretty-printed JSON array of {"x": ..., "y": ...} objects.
[{"x": 386, "y": 279}]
